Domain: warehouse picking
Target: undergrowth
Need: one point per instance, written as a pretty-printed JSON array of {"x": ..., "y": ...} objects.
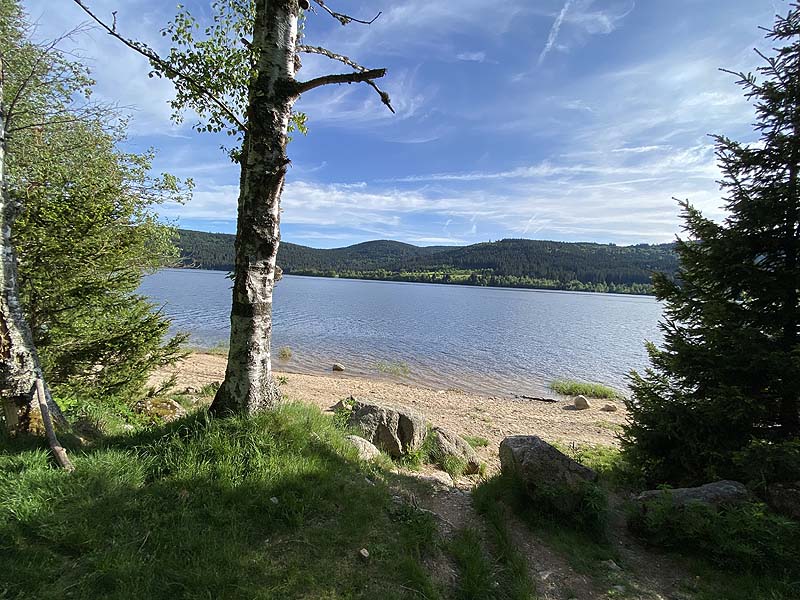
[{"x": 276, "y": 506}]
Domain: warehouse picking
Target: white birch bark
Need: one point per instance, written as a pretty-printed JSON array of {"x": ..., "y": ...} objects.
[
  {"x": 249, "y": 386},
  {"x": 19, "y": 362}
]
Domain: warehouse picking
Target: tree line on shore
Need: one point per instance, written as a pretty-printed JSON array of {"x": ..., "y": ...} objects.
[{"x": 506, "y": 263}]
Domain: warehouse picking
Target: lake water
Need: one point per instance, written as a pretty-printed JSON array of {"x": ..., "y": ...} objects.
[{"x": 492, "y": 340}]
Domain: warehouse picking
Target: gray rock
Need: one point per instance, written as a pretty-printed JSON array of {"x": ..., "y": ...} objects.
[
  {"x": 437, "y": 479},
  {"x": 364, "y": 554},
  {"x": 447, "y": 443},
  {"x": 784, "y": 498},
  {"x": 366, "y": 450},
  {"x": 538, "y": 464},
  {"x": 165, "y": 410},
  {"x": 712, "y": 494},
  {"x": 610, "y": 408},
  {"x": 397, "y": 431},
  {"x": 337, "y": 367},
  {"x": 581, "y": 403}
]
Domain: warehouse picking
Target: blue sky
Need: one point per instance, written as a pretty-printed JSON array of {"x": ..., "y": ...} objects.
[{"x": 574, "y": 120}]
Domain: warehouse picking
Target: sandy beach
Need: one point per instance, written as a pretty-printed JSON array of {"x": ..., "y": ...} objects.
[{"x": 490, "y": 417}]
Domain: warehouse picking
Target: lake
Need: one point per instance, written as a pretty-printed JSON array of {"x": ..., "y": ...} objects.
[{"x": 495, "y": 341}]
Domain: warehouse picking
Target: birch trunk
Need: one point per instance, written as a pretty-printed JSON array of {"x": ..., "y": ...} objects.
[
  {"x": 19, "y": 363},
  {"x": 249, "y": 386}
]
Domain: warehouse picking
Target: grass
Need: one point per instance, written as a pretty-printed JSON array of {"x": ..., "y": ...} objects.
[
  {"x": 574, "y": 535},
  {"x": 569, "y": 387},
  {"x": 394, "y": 367},
  {"x": 513, "y": 578},
  {"x": 476, "y": 441},
  {"x": 185, "y": 511}
]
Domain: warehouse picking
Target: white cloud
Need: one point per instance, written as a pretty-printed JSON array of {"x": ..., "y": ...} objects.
[
  {"x": 554, "y": 30},
  {"x": 472, "y": 56}
]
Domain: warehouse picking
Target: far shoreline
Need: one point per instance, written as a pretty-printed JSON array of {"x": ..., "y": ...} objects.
[{"x": 552, "y": 290}]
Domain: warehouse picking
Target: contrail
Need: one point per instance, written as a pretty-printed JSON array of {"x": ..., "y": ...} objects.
[{"x": 551, "y": 39}]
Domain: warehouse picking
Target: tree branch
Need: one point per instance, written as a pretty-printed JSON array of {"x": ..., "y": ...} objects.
[
  {"x": 332, "y": 55},
  {"x": 358, "y": 77},
  {"x": 350, "y": 63},
  {"x": 156, "y": 60},
  {"x": 345, "y": 19}
]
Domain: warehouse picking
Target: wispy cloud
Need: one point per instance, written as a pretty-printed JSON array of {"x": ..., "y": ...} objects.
[
  {"x": 554, "y": 31},
  {"x": 472, "y": 56}
]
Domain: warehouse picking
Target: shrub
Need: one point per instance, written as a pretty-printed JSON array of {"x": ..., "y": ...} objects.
[
  {"x": 745, "y": 537},
  {"x": 584, "y": 508},
  {"x": 285, "y": 353}
]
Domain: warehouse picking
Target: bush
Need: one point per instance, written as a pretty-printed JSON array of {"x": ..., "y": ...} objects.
[
  {"x": 764, "y": 462},
  {"x": 737, "y": 538},
  {"x": 285, "y": 353},
  {"x": 583, "y": 509}
]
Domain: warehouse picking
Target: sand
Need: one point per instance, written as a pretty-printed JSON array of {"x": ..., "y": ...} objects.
[{"x": 492, "y": 418}]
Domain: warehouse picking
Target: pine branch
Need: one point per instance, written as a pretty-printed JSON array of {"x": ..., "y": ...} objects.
[{"x": 156, "y": 60}]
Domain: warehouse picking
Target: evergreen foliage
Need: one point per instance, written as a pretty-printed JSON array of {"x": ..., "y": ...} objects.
[
  {"x": 506, "y": 263},
  {"x": 87, "y": 232},
  {"x": 729, "y": 372}
]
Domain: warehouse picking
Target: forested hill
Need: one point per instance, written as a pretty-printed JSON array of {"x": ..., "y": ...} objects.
[{"x": 511, "y": 263}]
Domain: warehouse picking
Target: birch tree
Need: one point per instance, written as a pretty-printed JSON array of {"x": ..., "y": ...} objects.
[
  {"x": 37, "y": 86},
  {"x": 241, "y": 78}
]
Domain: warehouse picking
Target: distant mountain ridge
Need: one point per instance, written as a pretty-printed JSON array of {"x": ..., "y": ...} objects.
[{"x": 579, "y": 266}]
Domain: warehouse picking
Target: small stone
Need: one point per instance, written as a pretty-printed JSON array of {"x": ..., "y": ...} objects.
[
  {"x": 610, "y": 408},
  {"x": 364, "y": 554},
  {"x": 338, "y": 367},
  {"x": 611, "y": 565},
  {"x": 366, "y": 450},
  {"x": 274, "y": 500},
  {"x": 618, "y": 588},
  {"x": 581, "y": 403}
]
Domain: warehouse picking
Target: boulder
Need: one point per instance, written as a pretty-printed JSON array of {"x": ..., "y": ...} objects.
[
  {"x": 447, "y": 443},
  {"x": 610, "y": 408},
  {"x": 397, "y": 431},
  {"x": 438, "y": 479},
  {"x": 784, "y": 498},
  {"x": 711, "y": 494},
  {"x": 581, "y": 403},
  {"x": 165, "y": 410},
  {"x": 366, "y": 450},
  {"x": 337, "y": 367},
  {"x": 538, "y": 464}
]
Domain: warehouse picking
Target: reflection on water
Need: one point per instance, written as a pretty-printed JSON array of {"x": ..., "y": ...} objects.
[{"x": 491, "y": 340}]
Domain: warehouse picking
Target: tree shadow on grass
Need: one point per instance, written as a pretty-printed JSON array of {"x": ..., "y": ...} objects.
[{"x": 273, "y": 507}]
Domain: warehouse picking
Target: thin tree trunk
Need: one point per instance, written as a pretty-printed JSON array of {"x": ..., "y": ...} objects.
[
  {"x": 19, "y": 363},
  {"x": 249, "y": 386}
]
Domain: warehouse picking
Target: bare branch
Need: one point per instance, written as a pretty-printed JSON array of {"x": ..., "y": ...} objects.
[
  {"x": 345, "y": 19},
  {"x": 155, "y": 59},
  {"x": 358, "y": 77},
  {"x": 350, "y": 63},
  {"x": 332, "y": 55}
]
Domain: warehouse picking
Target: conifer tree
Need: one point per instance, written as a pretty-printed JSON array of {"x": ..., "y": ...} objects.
[{"x": 728, "y": 374}]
